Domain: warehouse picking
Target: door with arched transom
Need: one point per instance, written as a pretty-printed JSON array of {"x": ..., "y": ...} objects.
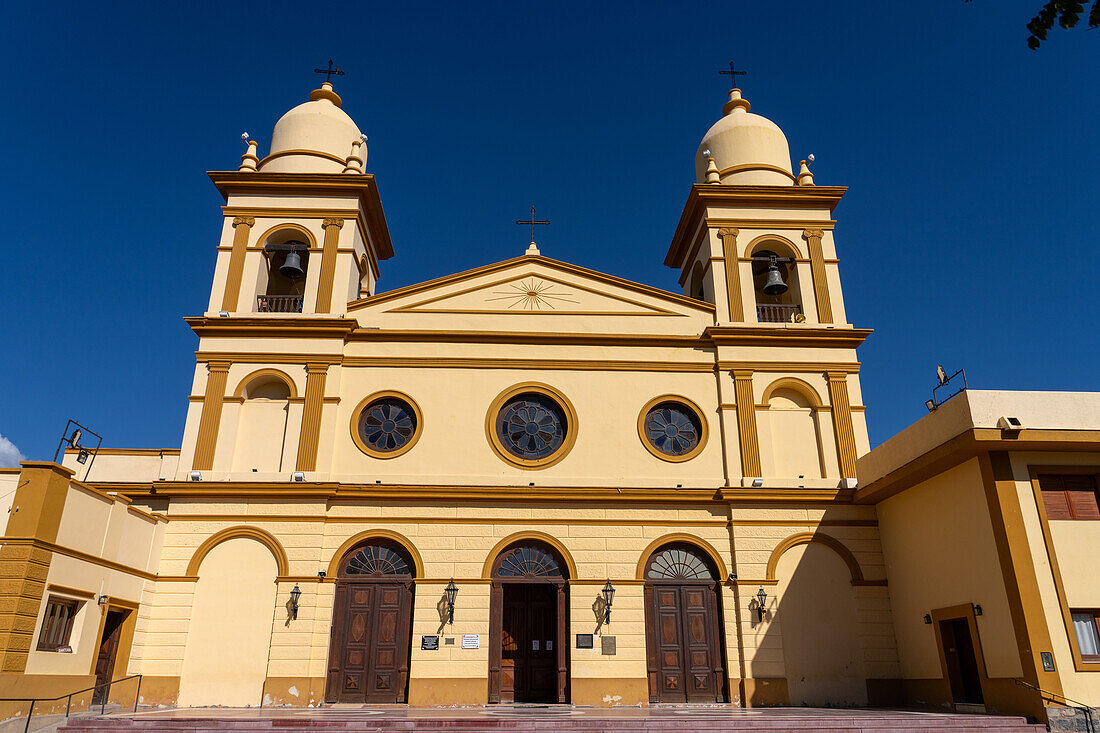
[
  {"x": 371, "y": 624},
  {"x": 529, "y": 625},
  {"x": 683, "y": 638}
]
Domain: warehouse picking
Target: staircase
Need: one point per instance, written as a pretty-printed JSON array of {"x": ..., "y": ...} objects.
[{"x": 550, "y": 720}]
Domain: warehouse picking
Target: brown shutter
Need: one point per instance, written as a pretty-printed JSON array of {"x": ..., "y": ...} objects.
[{"x": 1082, "y": 504}]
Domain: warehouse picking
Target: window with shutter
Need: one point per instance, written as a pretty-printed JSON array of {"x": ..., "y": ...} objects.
[
  {"x": 1086, "y": 627},
  {"x": 1068, "y": 496},
  {"x": 57, "y": 625}
]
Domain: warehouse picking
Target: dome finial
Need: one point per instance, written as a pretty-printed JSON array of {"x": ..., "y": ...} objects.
[{"x": 736, "y": 102}]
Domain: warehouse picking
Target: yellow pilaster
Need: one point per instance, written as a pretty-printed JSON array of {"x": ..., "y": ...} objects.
[
  {"x": 733, "y": 273},
  {"x": 328, "y": 264},
  {"x": 842, "y": 422},
  {"x": 817, "y": 267},
  {"x": 311, "y": 416},
  {"x": 746, "y": 423},
  {"x": 25, "y": 557},
  {"x": 242, "y": 225},
  {"x": 211, "y": 417}
]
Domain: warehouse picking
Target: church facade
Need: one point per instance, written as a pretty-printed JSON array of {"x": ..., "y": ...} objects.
[{"x": 526, "y": 482}]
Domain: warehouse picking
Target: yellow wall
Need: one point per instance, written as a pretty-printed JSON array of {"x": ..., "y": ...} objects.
[{"x": 938, "y": 542}]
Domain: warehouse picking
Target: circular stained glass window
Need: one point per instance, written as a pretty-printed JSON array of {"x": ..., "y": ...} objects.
[
  {"x": 673, "y": 428},
  {"x": 531, "y": 426},
  {"x": 387, "y": 424}
]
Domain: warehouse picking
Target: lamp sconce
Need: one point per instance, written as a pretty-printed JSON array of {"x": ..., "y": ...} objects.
[
  {"x": 608, "y": 596},
  {"x": 928, "y": 619},
  {"x": 295, "y": 594},
  {"x": 452, "y": 592},
  {"x": 102, "y": 601},
  {"x": 761, "y": 599},
  {"x": 977, "y": 609}
]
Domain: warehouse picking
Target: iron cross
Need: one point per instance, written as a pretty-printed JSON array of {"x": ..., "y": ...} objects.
[
  {"x": 733, "y": 74},
  {"x": 532, "y": 221},
  {"x": 335, "y": 71}
]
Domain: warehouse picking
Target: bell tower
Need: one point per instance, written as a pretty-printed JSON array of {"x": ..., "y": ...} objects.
[
  {"x": 756, "y": 240},
  {"x": 303, "y": 229}
]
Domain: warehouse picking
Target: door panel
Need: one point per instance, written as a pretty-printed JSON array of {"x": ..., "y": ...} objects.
[
  {"x": 108, "y": 651},
  {"x": 369, "y": 655},
  {"x": 683, "y": 629},
  {"x": 529, "y": 658}
]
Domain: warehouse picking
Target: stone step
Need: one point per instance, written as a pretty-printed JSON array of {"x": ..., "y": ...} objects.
[{"x": 332, "y": 721}]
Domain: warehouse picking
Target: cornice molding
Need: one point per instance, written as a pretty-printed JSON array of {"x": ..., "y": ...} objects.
[
  {"x": 801, "y": 336},
  {"x": 290, "y": 327}
]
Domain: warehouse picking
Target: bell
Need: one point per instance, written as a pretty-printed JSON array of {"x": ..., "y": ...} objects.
[
  {"x": 292, "y": 268},
  {"x": 775, "y": 284}
]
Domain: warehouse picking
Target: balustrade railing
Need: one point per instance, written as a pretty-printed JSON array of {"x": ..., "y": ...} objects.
[
  {"x": 279, "y": 303},
  {"x": 777, "y": 313}
]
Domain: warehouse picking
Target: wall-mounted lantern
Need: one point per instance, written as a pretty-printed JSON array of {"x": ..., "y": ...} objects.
[
  {"x": 295, "y": 594},
  {"x": 608, "y": 596},
  {"x": 928, "y": 619},
  {"x": 102, "y": 600},
  {"x": 977, "y": 609},
  {"x": 452, "y": 592},
  {"x": 761, "y": 599}
]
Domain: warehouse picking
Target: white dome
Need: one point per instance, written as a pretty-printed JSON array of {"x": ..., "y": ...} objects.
[
  {"x": 314, "y": 137},
  {"x": 747, "y": 149}
]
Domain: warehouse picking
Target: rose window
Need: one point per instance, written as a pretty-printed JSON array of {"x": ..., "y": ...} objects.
[
  {"x": 672, "y": 428},
  {"x": 387, "y": 424},
  {"x": 531, "y": 426}
]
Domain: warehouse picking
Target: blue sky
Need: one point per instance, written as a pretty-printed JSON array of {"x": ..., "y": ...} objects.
[{"x": 967, "y": 236}]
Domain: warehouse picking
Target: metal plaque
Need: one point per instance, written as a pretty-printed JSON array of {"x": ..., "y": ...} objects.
[
  {"x": 429, "y": 642},
  {"x": 1048, "y": 661},
  {"x": 608, "y": 644},
  {"x": 471, "y": 641},
  {"x": 449, "y": 641},
  {"x": 584, "y": 641}
]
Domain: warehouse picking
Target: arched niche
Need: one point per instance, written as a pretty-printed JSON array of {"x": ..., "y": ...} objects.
[
  {"x": 261, "y": 443},
  {"x": 794, "y": 422},
  {"x": 805, "y": 538},
  {"x": 262, "y": 536}
]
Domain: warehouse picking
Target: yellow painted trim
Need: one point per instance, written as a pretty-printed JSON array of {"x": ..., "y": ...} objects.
[
  {"x": 777, "y": 238},
  {"x": 817, "y": 268},
  {"x": 260, "y": 535},
  {"x": 572, "y": 428},
  {"x": 746, "y": 424},
  {"x": 302, "y": 151},
  {"x": 311, "y": 417},
  {"x": 374, "y": 534},
  {"x": 795, "y": 384},
  {"x": 332, "y": 227},
  {"x": 791, "y": 224},
  {"x": 805, "y": 538},
  {"x": 283, "y": 226},
  {"x": 77, "y": 555},
  {"x": 789, "y": 366},
  {"x": 242, "y": 226},
  {"x": 842, "y": 423},
  {"x": 358, "y": 439},
  {"x": 704, "y": 431},
  {"x": 733, "y": 273},
  {"x": 756, "y": 167},
  {"x": 260, "y": 374},
  {"x": 689, "y": 539},
  {"x": 529, "y": 534},
  {"x": 65, "y": 590},
  {"x": 450, "y": 362},
  {"x": 211, "y": 416}
]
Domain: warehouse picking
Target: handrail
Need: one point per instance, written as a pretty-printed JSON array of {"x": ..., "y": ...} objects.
[
  {"x": 1075, "y": 704},
  {"x": 69, "y": 702}
]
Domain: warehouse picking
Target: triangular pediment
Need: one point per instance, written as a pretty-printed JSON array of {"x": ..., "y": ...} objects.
[{"x": 533, "y": 285}]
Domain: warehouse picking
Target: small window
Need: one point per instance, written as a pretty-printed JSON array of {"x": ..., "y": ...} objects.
[
  {"x": 1068, "y": 496},
  {"x": 57, "y": 625},
  {"x": 1086, "y": 625}
]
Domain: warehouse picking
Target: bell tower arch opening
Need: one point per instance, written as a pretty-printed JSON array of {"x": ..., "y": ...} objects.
[{"x": 775, "y": 283}]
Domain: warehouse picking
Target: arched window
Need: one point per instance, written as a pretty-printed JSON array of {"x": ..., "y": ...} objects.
[
  {"x": 775, "y": 283},
  {"x": 376, "y": 560},
  {"x": 695, "y": 288},
  {"x": 528, "y": 560},
  {"x": 679, "y": 562}
]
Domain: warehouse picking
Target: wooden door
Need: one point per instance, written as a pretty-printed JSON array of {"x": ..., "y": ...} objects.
[
  {"x": 108, "y": 651},
  {"x": 682, "y": 636},
  {"x": 962, "y": 661},
  {"x": 529, "y": 654},
  {"x": 368, "y": 660}
]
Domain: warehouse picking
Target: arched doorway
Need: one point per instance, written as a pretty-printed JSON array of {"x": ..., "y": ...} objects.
[
  {"x": 371, "y": 624},
  {"x": 528, "y": 625},
  {"x": 683, "y": 638}
]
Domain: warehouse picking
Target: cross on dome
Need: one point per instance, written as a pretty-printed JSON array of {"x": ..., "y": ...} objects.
[
  {"x": 733, "y": 74},
  {"x": 335, "y": 71}
]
